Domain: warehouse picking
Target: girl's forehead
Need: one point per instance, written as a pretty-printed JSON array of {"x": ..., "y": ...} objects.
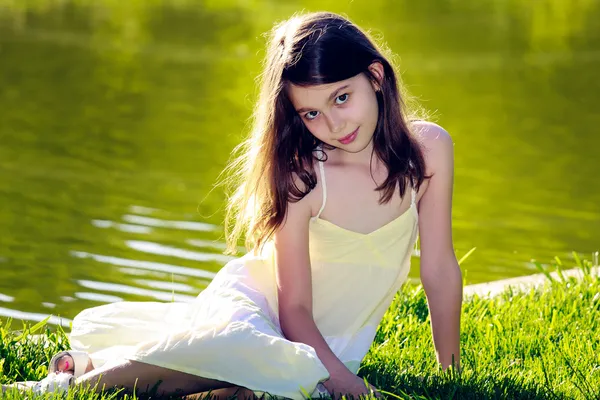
[
  {"x": 317, "y": 93},
  {"x": 318, "y": 88}
]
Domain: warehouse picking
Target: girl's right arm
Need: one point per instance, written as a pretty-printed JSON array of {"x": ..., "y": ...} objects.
[{"x": 294, "y": 285}]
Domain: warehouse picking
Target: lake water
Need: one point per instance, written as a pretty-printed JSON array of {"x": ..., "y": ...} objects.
[{"x": 116, "y": 119}]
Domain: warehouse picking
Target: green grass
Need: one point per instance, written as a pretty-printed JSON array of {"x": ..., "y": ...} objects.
[{"x": 539, "y": 344}]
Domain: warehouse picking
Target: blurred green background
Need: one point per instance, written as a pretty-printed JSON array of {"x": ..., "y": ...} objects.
[{"x": 116, "y": 118}]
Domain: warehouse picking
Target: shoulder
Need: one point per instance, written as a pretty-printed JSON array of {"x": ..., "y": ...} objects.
[
  {"x": 431, "y": 135},
  {"x": 436, "y": 144},
  {"x": 309, "y": 202}
]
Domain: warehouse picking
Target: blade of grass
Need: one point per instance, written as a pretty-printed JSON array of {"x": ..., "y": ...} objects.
[{"x": 463, "y": 258}]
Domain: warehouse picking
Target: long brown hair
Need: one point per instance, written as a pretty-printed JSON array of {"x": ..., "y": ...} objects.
[{"x": 310, "y": 49}]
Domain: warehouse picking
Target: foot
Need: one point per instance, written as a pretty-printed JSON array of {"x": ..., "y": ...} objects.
[
  {"x": 66, "y": 364},
  {"x": 54, "y": 382}
]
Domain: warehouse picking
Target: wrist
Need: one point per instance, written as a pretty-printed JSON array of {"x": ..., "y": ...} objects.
[
  {"x": 334, "y": 366},
  {"x": 339, "y": 372}
]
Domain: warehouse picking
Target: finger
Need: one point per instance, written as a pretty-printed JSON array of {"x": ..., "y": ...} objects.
[{"x": 374, "y": 391}]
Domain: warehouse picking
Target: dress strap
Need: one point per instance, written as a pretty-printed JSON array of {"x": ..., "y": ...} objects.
[
  {"x": 323, "y": 187},
  {"x": 413, "y": 201}
]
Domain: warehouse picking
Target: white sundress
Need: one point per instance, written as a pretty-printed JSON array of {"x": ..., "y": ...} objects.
[{"x": 231, "y": 331}]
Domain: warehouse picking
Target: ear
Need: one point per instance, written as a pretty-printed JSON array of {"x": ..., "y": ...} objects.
[{"x": 376, "y": 68}]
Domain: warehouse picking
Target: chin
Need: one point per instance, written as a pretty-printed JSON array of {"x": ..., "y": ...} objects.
[{"x": 357, "y": 146}]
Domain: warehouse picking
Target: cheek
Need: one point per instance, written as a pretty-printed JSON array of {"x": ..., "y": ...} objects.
[
  {"x": 362, "y": 111},
  {"x": 316, "y": 129},
  {"x": 370, "y": 110}
]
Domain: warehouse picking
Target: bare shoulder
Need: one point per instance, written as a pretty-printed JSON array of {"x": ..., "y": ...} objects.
[
  {"x": 436, "y": 143},
  {"x": 431, "y": 135},
  {"x": 310, "y": 202}
]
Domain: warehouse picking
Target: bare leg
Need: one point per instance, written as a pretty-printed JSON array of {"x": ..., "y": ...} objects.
[
  {"x": 141, "y": 378},
  {"x": 241, "y": 393}
]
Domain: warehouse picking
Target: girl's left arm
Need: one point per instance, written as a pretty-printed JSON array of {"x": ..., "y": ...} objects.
[{"x": 440, "y": 273}]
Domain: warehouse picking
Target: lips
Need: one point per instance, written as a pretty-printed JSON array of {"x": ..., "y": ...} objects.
[{"x": 349, "y": 138}]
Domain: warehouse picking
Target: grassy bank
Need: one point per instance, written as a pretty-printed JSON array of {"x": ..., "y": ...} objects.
[{"x": 539, "y": 344}]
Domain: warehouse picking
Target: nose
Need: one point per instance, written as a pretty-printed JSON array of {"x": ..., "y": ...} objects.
[{"x": 335, "y": 122}]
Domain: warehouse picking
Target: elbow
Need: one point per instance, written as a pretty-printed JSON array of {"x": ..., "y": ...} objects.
[
  {"x": 441, "y": 275},
  {"x": 292, "y": 315}
]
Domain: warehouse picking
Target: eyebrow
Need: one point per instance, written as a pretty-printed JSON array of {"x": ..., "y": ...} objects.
[{"x": 331, "y": 97}]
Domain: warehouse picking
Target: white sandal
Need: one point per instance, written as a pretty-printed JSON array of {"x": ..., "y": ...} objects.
[
  {"x": 80, "y": 359},
  {"x": 60, "y": 382}
]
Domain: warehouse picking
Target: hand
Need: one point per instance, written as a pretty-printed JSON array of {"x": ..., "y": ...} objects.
[
  {"x": 374, "y": 390},
  {"x": 348, "y": 384}
]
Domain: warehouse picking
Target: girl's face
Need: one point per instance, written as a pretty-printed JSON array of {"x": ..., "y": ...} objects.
[{"x": 342, "y": 114}]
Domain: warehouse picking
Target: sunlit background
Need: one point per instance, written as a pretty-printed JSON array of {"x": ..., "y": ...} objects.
[{"x": 116, "y": 118}]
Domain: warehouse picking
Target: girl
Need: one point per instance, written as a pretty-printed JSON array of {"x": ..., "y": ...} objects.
[{"x": 334, "y": 184}]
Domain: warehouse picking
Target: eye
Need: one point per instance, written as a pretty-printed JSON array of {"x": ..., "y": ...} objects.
[
  {"x": 311, "y": 115},
  {"x": 343, "y": 98}
]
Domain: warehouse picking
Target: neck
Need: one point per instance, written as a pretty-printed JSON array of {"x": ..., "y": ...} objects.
[{"x": 364, "y": 157}]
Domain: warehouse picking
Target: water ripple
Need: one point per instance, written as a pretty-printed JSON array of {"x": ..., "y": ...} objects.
[
  {"x": 103, "y": 298},
  {"x": 147, "y": 265},
  {"x": 131, "y": 290},
  {"x": 6, "y": 298},
  {"x": 156, "y": 248},
  {"x": 37, "y": 317},
  {"x": 161, "y": 223},
  {"x": 99, "y": 223}
]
